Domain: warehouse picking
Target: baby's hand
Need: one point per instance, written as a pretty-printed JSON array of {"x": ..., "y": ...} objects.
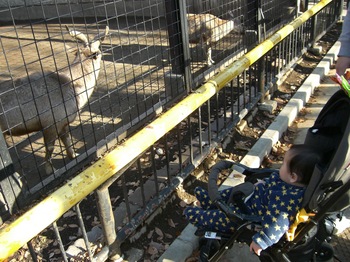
[{"x": 254, "y": 247}]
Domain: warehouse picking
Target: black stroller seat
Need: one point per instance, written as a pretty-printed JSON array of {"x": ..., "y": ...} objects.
[{"x": 327, "y": 193}]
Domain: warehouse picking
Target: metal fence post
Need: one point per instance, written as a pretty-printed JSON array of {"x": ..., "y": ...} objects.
[
  {"x": 261, "y": 37},
  {"x": 179, "y": 46},
  {"x": 172, "y": 16},
  {"x": 185, "y": 45},
  {"x": 10, "y": 186},
  {"x": 340, "y": 8},
  {"x": 108, "y": 222}
]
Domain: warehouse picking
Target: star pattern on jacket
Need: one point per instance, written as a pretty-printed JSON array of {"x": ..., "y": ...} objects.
[
  {"x": 274, "y": 201},
  {"x": 278, "y": 202}
]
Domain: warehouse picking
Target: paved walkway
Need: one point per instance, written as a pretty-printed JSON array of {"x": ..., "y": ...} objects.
[{"x": 184, "y": 245}]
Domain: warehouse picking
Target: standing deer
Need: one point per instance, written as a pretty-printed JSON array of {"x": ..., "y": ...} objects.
[
  {"x": 205, "y": 29},
  {"x": 50, "y": 101}
]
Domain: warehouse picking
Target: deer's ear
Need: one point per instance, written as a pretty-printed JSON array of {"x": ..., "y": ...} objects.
[
  {"x": 105, "y": 34},
  {"x": 101, "y": 36},
  {"x": 78, "y": 35}
]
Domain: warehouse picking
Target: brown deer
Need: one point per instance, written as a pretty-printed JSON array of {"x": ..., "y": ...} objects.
[
  {"x": 50, "y": 101},
  {"x": 205, "y": 29}
]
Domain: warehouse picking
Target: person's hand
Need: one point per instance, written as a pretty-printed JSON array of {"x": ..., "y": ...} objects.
[
  {"x": 254, "y": 247},
  {"x": 342, "y": 64}
]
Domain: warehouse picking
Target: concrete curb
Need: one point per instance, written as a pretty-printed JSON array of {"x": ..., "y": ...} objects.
[
  {"x": 274, "y": 132},
  {"x": 184, "y": 245}
]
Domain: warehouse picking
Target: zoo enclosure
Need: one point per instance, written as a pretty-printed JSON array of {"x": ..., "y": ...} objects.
[
  {"x": 148, "y": 65},
  {"x": 163, "y": 166}
]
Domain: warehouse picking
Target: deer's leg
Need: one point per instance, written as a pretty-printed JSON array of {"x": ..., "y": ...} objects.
[
  {"x": 205, "y": 44},
  {"x": 49, "y": 140},
  {"x": 210, "y": 61},
  {"x": 208, "y": 52},
  {"x": 67, "y": 142}
]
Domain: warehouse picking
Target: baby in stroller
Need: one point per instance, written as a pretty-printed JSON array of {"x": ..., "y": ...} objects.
[
  {"x": 327, "y": 193},
  {"x": 274, "y": 201}
]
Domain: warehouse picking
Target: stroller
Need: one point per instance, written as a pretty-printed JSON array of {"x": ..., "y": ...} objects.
[{"x": 327, "y": 194}]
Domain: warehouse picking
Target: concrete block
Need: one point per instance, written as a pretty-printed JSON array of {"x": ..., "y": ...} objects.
[
  {"x": 268, "y": 106},
  {"x": 241, "y": 125},
  {"x": 316, "y": 50},
  {"x": 182, "y": 247}
]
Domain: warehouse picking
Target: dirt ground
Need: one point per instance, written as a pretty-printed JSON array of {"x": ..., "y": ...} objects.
[{"x": 168, "y": 225}]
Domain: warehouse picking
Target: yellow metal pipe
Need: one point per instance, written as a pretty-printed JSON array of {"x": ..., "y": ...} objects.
[
  {"x": 30, "y": 224},
  {"x": 18, "y": 233},
  {"x": 251, "y": 57}
]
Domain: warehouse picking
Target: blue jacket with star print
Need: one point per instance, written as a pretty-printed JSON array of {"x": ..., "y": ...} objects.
[{"x": 277, "y": 203}]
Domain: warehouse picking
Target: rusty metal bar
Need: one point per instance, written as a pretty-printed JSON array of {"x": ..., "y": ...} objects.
[
  {"x": 83, "y": 230},
  {"x": 59, "y": 241},
  {"x": 139, "y": 172},
  {"x": 32, "y": 252},
  {"x": 200, "y": 130},
  {"x": 107, "y": 221}
]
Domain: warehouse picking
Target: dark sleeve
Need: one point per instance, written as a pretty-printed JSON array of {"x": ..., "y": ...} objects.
[
  {"x": 282, "y": 208},
  {"x": 345, "y": 37}
]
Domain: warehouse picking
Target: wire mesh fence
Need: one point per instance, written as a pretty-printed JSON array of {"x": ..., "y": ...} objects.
[
  {"x": 143, "y": 70},
  {"x": 37, "y": 49},
  {"x": 51, "y": 90}
]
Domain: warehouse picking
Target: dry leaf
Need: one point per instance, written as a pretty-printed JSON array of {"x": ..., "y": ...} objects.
[
  {"x": 183, "y": 204},
  {"x": 150, "y": 234},
  {"x": 70, "y": 213},
  {"x": 133, "y": 183},
  {"x": 95, "y": 222},
  {"x": 171, "y": 222},
  {"x": 168, "y": 235},
  {"x": 279, "y": 100},
  {"x": 113, "y": 200},
  {"x": 286, "y": 139},
  {"x": 158, "y": 246},
  {"x": 241, "y": 146},
  {"x": 159, "y": 232},
  {"x": 152, "y": 250}
]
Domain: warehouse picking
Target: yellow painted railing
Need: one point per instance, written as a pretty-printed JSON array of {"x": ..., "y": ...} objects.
[{"x": 30, "y": 224}]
